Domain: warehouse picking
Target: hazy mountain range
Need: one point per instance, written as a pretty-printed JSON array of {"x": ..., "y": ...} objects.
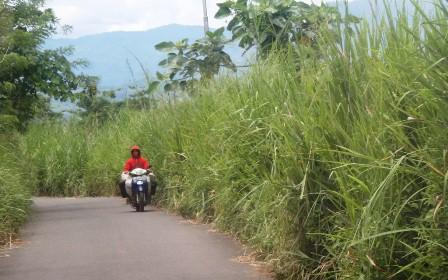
[{"x": 120, "y": 58}]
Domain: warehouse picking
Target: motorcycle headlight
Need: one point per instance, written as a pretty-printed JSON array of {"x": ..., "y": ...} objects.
[{"x": 139, "y": 182}]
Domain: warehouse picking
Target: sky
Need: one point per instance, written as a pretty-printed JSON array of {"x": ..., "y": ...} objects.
[{"x": 97, "y": 16}]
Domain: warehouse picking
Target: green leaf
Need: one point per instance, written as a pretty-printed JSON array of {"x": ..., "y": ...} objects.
[
  {"x": 278, "y": 22},
  {"x": 165, "y": 46},
  {"x": 166, "y": 62},
  {"x": 160, "y": 76},
  {"x": 181, "y": 45},
  {"x": 180, "y": 61},
  {"x": 163, "y": 63},
  {"x": 227, "y": 4},
  {"x": 219, "y": 32},
  {"x": 153, "y": 86},
  {"x": 238, "y": 33},
  {"x": 271, "y": 10},
  {"x": 262, "y": 38},
  {"x": 167, "y": 87},
  {"x": 223, "y": 12},
  {"x": 174, "y": 85}
]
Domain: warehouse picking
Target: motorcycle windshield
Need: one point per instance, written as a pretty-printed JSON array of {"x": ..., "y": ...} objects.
[{"x": 138, "y": 172}]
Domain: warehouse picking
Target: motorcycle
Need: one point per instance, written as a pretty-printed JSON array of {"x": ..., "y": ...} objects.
[{"x": 139, "y": 193}]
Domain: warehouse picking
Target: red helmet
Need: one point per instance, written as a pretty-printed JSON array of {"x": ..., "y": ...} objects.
[{"x": 135, "y": 148}]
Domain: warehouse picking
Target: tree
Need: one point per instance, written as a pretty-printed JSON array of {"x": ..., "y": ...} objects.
[
  {"x": 198, "y": 62},
  {"x": 28, "y": 73},
  {"x": 266, "y": 24},
  {"x": 96, "y": 107}
]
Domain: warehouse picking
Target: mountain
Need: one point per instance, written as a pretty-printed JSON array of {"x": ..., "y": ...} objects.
[{"x": 118, "y": 57}]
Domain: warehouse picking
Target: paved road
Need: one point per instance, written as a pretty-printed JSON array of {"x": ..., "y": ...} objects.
[{"x": 102, "y": 238}]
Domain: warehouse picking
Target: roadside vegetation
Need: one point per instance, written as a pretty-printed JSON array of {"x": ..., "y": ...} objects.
[
  {"x": 15, "y": 193},
  {"x": 29, "y": 78},
  {"x": 329, "y": 158}
]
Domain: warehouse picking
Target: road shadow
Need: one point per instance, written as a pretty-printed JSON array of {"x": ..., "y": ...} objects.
[{"x": 134, "y": 211}]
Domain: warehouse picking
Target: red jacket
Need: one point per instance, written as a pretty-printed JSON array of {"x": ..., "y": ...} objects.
[
  {"x": 136, "y": 162},
  {"x": 139, "y": 162}
]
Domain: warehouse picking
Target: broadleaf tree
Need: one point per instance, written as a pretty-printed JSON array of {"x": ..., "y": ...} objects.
[
  {"x": 268, "y": 24},
  {"x": 189, "y": 64},
  {"x": 30, "y": 75}
]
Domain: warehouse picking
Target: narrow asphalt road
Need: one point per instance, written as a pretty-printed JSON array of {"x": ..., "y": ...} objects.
[{"x": 102, "y": 238}]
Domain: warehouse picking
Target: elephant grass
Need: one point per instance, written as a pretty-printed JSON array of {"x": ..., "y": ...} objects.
[
  {"x": 14, "y": 189},
  {"x": 331, "y": 160}
]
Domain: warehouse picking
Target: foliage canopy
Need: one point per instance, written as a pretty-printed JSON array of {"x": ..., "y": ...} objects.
[
  {"x": 266, "y": 24},
  {"x": 261, "y": 24},
  {"x": 28, "y": 74},
  {"x": 200, "y": 61}
]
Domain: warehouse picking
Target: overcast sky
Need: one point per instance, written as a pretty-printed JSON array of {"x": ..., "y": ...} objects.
[{"x": 98, "y": 16}]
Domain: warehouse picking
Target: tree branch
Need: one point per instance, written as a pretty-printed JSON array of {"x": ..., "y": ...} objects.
[{"x": 4, "y": 56}]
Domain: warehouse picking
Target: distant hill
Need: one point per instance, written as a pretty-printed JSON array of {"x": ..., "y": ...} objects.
[{"x": 118, "y": 57}]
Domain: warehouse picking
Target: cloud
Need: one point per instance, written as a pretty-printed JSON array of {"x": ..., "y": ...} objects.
[{"x": 98, "y": 16}]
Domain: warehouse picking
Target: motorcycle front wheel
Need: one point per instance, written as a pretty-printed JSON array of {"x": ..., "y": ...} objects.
[{"x": 140, "y": 202}]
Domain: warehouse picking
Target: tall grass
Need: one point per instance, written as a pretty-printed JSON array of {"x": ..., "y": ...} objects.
[
  {"x": 58, "y": 156},
  {"x": 332, "y": 166},
  {"x": 74, "y": 158},
  {"x": 15, "y": 182}
]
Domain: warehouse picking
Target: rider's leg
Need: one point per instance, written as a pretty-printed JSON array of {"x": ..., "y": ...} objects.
[{"x": 123, "y": 189}]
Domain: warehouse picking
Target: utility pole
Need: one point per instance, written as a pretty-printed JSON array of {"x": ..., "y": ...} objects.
[{"x": 204, "y": 2}]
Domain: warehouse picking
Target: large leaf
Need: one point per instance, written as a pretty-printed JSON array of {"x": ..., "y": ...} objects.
[
  {"x": 168, "y": 61},
  {"x": 172, "y": 75},
  {"x": 163, "y": 63},
  {"x": 219, "y": 32},
  {"x": 223, "y": 12},
  {"x": 153, "y": 86},
  {"x": 165, "y": 46},
  {"x": 180, "y": 61},
  {"x": 262, "y": 38},
  {"x": 239, "y": 32},
  {"x": 211, "y": 36},
  {"x": 279, "y": 22},
  {"x": 228, "y": 4},
  {"x": 271, "y": 10},
  {"x": 181, "y": 45},
  {"x": 234, "y": 22},
  {"x": 167, "y": 87},
  {"x": 160, "y": 76}
]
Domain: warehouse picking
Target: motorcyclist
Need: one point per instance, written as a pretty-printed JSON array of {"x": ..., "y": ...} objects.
[{"x": 135, "y": 161}]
